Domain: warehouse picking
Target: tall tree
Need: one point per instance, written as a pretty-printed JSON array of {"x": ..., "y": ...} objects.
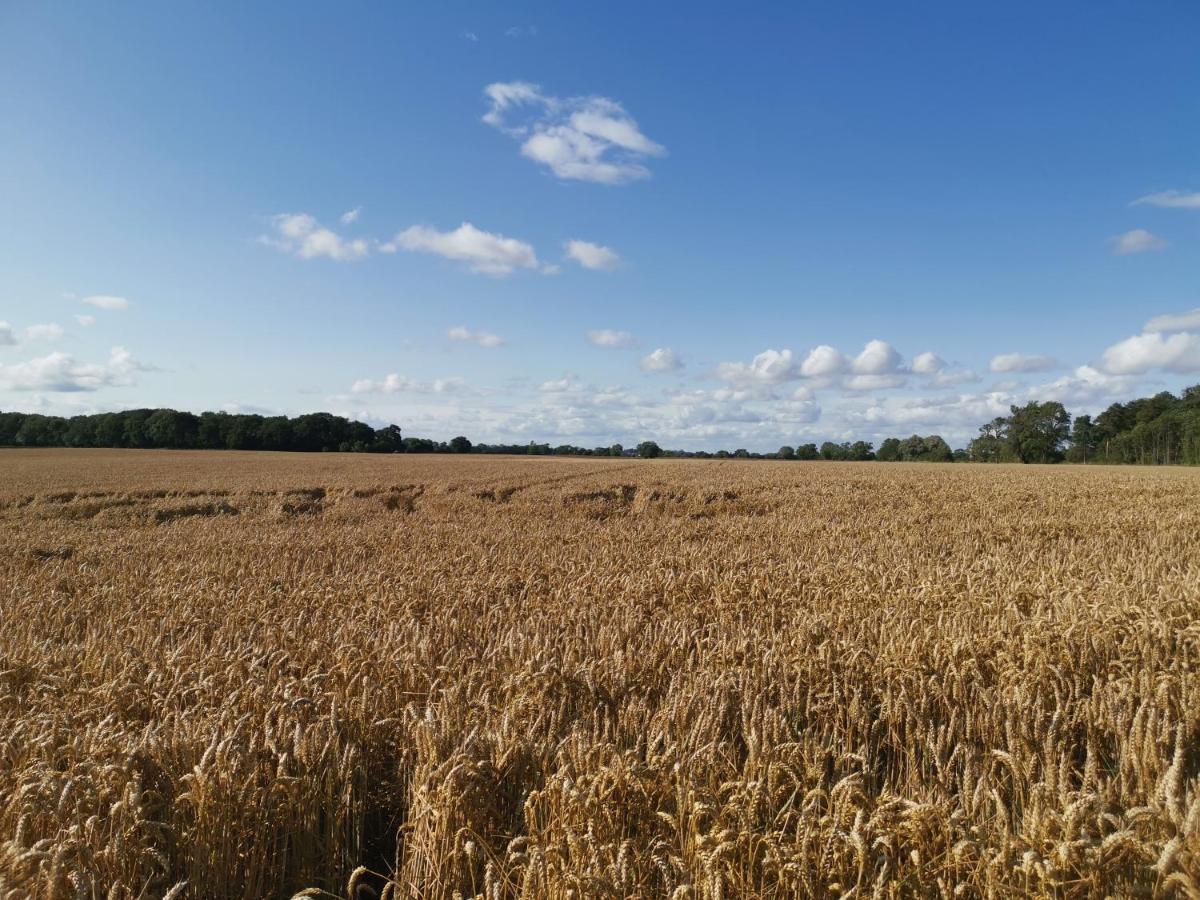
[
  {"x": 1037, "y": 431},
  {"x": 649, "y": 450}
]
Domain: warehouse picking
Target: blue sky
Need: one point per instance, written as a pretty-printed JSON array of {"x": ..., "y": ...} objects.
[{"x": 792, "y": 222}]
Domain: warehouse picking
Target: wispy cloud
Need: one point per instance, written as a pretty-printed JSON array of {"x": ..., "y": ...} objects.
[
  {"x": 1172, "y": 199},
  {"x": 103, "y": 301},
  {"x": 350, "y": 216},
  {"x": 1175, "y": 322},
  {"x": 1137, "y": 241},
  {"x": 482, "y": 251},
  {"x": 482, "y": 338},
  {"x": 49, "y": 331},
  {"x": 577, "y": 138},
  {"x": 397, "y": 384},
  {"x": 301, "y": 235},
  {"x": 1022, "y": 362},
  {"x": 593, "y": 256},
  {"x": 85, "y": 320},
  {"x": 663, "y": 359},
  {"x": 606, "y": 337}
]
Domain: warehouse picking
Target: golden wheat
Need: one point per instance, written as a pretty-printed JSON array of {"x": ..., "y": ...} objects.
[{"x": 259, "y": 675}]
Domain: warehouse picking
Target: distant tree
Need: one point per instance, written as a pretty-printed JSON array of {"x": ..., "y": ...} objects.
[
  {"x": 387, "y": 440},
  {"x": 134, "y": 434},
  {"x": 273, "y": 432},
  {"x": 1084, "y": 440},
  {"x": 110, "y": 430},
  {"x": 889, "y": 450},
  {"x": 460, "y": 445},
  {"x": 41, "y": 431},
  {"x": 992, "y": 444},
  {"x": 741, "y": 453},
  {"x": 786, "y": 452},
  {"x": 859, "y": 451},
  {"x": 245, "y": 433},
  {"x": 80, "y": 432},
  {"x": 807, "y": 451},
  {"x": 1037, "y": 431},
  {"x": 649, "y": 450},
  {"x": 830, "y": 450},
  {"x": 171, "y": 429}
]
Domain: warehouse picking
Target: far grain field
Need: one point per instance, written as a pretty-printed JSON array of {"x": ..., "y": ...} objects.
[{"x": 256, "y": 675}]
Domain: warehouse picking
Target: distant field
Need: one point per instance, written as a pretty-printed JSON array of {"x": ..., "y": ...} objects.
[{"x": 527, "y": 677}]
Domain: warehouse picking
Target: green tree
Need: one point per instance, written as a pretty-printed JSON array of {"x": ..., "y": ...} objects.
[
  {"x": 1084, "y": 440},
  {"x": 460, "y": 444},
  {"x": 830, "y": 450},
  {"x": 1037, "y": 431},
  {"x": 786, "y": 452},
  {"x": 649, "y": 450},
  {"x": 171, "y": 429},
  {"x": 992, "y": 444},
  {"x": 889, "y": 450},
  {"x": 616, "y": 450},
  {"x": 860, "y": 451}
]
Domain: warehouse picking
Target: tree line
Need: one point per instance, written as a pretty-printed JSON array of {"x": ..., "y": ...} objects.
[
  {"x": 174, "y": 430},
  {"x": 1159, "y": 430}
]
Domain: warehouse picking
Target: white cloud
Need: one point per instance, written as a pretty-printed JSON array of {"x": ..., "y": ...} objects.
[
  {"x": 662, "y": 359},
  {"x": 877, "y": 366},
  {"x": 606, "y": 337},
  {"x": 959, "y": 413},
  {"x": 1082, "y": 386},
  {"x": 877, "y": 381},
  {"x": 577, "y": 138},
  {"x": 101, "y": 301},
  {"x": 1178, "y": 352},
  {"x": 1172, "y": 199},
  {"x": 484, "y": 252},
  {"x": 7, "y": 338},
  {"x": 936, "y": 374},
  {"x": 482, "y": 338},
  {"x": 768, "y": 367},
  {"x": 1137, "y": 241},
  {"x": 1175, "y": 322},
  {"x": 399, "y": 384},
  {"x": 877, "y": 358},
  {"x": 593, "y": 256},
  {"x": 302, "y": 235},
  {"x": 949, "y": 378},
  {"x": 822, "y": 361},
  {"x": 61, "y": 372},
  {"x": 1021, "y": 362},
  {"x": 928, "y": 363},
  {"x": 85, "y": 320},
  {"x": 49, "y": 331},
  {"x": 557, "y": 386},
  {"x": 350, "y": 216}
]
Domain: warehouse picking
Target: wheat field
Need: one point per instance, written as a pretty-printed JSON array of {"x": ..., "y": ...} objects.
[{"x": 262, "y": 675}]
